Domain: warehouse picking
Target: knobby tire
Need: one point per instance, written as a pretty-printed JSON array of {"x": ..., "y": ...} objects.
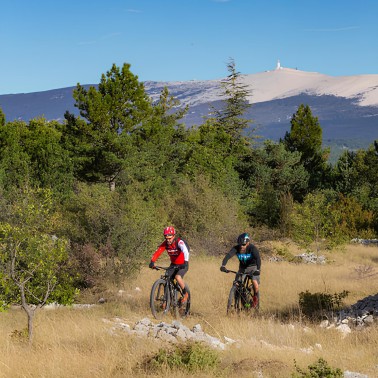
[
  {"x": 159, "y": 299},
  {"x": 233, "y": 303},
  {"x": 240, "y": 300}
]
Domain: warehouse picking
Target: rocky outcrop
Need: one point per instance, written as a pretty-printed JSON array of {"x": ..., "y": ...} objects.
[
  {"x": 171, "y": 332},
  {"x": 176, "y": 332},
  {"x": 365, "y": 241},
  {"x": 359, "y": 315},
  {"x": 305, "y": 258},
  {"x": 311, "y": 258},
  {"x": 365, "y": 310}
]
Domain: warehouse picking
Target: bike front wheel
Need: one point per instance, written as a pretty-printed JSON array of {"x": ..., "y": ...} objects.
[
  {"x": 159, "y": 299},
  {"x": 246, "y": 300},
  {"x": 234, "y": 304}
]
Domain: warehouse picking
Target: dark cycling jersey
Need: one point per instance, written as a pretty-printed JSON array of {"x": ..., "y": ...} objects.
[{"x": 250, "y": 257}]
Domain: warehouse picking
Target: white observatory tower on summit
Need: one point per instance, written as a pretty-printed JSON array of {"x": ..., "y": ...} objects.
[{"x": 278, "y": 67}]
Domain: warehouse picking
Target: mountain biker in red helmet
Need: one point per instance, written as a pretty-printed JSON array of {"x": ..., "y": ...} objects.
[
  {"x": 178, "y": 253},
  {"x": 249, "y": 261}
]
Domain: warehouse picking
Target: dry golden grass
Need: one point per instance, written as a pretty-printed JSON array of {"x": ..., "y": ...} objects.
[{"x": 78, "y": 342}]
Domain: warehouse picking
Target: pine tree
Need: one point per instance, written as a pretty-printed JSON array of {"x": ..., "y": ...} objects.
[
  {"x": 113, "y": 111},
  {"x": 232, "y": 118},
  {"x": 305, "y": 136},
  {"x": 2, "y": 118}
]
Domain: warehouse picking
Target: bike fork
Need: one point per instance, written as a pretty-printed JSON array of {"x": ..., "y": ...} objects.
[{"x": 166, "y": 297}]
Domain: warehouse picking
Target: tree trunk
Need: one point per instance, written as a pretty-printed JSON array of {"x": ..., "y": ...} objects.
[{"x": 30, "y": 311}]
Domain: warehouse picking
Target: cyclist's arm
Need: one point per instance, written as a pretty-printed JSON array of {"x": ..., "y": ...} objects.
[
  {"x": 158, "y": 252},
  {"x": 184, "y": 250},
  {"x": 258, "y": 258},
  {"x": 228, "y": 256}
]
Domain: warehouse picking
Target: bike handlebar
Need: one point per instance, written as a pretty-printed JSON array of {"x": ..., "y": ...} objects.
[
  {"x": 165, "y": 268},
  {"x": 160, "y": 267},
  {"x": 230, "y": 271},
  {"x": 233, "y": 271}
]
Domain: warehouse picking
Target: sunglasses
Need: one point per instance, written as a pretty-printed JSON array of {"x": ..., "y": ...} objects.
[{"x": 168, "y": 236}]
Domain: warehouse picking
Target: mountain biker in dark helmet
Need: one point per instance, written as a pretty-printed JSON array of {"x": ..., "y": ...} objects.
[
  {"x": 249, "y": 261},
  {"x": 179, "y": 255}
]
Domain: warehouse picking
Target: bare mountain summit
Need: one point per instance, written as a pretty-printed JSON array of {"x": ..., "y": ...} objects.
[{"x": 277, "y": 84}]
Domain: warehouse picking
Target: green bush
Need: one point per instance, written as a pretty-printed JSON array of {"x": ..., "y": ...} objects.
[
  {"x": 320, "y": 369},
  {"x": 189, "y": 357},
  {"x": 285, "y": 254},
  {"x": 205, "y": 216},
  {"x": 115, "y": 228},
  {"x": 315, "y": 305}
]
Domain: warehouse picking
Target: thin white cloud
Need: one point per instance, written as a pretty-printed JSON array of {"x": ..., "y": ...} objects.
[
  {"x": 83, "y": 43},
  {"x": 133, "y": 11},
  {"x": 102, "y": 38},
  {"x": 108, "y": 36},
  {"x": 333, "y": 29}
]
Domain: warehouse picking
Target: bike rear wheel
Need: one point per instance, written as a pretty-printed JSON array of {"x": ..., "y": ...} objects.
[
  {"x": 159, "y": 299},
  {"x": 234, "y": 304}
]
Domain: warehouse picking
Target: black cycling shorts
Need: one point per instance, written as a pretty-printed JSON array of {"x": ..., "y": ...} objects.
[{"x": 173, "y": 270}]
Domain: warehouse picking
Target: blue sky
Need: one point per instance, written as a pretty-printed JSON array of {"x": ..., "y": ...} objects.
[{"x": 49, "y": 44}]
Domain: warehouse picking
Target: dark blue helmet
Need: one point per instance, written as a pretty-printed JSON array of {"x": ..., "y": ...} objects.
[{"x": 243, "y": 239}]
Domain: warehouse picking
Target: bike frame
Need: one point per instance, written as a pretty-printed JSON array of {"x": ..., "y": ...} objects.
[
  {"x": 245, "y": 280},
  {"x": 172, "y": 293},
  {"x": 243, "y": 291},
  {"x": 173, "y": 288}
]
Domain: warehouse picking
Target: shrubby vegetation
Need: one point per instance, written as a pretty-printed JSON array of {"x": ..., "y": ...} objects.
[
  {"x": 192, "y": 357},
  {"x": 316, "y": 305},
  {"x": 319, "y": 369},
  {"x": 126, "y": 167}
]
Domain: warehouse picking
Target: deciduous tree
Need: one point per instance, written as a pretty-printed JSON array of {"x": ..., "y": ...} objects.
[{"x": 33, "y": 260}]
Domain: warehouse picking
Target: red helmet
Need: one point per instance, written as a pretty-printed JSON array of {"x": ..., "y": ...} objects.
[{"x": 169, "y": 231}]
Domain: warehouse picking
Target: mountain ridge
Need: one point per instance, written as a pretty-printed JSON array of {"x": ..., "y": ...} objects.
[{"x": 346, "y": 106}]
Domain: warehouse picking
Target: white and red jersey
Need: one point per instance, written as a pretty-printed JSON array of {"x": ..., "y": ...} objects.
[{"x": 177, "y": 251}]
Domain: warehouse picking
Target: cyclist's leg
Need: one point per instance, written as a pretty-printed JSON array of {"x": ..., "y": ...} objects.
[
  {"x": 256, "y": 289},
  {"x": 256, "y": 297},
  {"x": 171, "y": 271},
  {"x": 184, "y": 301},
  {"x": 179, "y": 277},
  {"x": 255, "y": 280},
  {"x": 256, "y": 284}
]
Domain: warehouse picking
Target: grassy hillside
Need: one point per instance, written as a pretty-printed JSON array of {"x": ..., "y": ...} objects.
[{"x": 79, "y": 342}]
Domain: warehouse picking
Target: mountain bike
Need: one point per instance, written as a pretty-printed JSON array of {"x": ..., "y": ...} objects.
[
  {"x": 241, "y": 294},
  {"x": 166, "y": 294}
]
